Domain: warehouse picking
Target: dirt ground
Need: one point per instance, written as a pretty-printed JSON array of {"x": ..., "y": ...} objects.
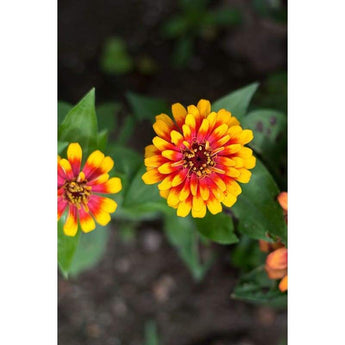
[{"x": 145, "y": 279}]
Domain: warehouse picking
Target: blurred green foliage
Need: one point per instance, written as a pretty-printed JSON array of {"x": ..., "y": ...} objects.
[
  {"x": 195, "y": 19},
  {"x": 115, "y": 59}
]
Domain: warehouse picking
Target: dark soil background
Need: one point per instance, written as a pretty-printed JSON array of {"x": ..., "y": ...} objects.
[{"x": 144, "y": 279}]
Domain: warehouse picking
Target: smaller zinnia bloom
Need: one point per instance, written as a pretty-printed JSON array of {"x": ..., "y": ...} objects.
[
  {"x": 78, "y": 189},
  {"x": 199, "y": 158}
]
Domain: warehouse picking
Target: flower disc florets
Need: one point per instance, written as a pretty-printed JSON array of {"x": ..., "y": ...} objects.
[{"x": 198, "y": 159}]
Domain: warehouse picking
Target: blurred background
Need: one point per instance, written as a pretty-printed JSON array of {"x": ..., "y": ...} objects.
[{"x": 140, "y": 292}]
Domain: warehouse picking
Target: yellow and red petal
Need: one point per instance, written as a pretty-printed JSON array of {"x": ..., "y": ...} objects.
[
  {"x": 185, "y": 191},
  {"x": 244, "y": 176},
  {"x": 93, "y": 162},
  {"x": 152, "y": 176},
  {"x": 70, "y": 227},
  {"x": 162, "y": 144},
  {"x": 166, "y": 183},
  {"x": 86, "y": 221},
  {"x": 155, "y": 161},
  {"x": 204, "y": 188},
  {"x": 179, "y": 112},
  {"x": 283, "y": 285},
  {"x": 62, "y": 204},
  {"x": 173, "y": 197},
  {"x": 100, "y": 207},
  {"x": 65, "y": 169},
  {"x": 204, "y": 107},
  {"x": 277, "y": 260},
  {"x": 163, "y": 126},
  {"x": 199, "y": 212},
  {"x": 151, "y": 150},
  {"x": 112, "y": 186},
  {"x": 229, "y": 200},
  {"x": 214, "y": 205},
  {"x": 74, "y": 156},
  {"x": 184, "y": 207},
  {"x": 179, "y": 177}
]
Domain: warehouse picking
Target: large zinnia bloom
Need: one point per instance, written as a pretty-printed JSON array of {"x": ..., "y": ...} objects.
[
  {"x": 76, "y": 190},
  {"x": 199, "y": 159}
]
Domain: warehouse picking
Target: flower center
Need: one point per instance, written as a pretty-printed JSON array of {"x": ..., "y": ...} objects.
[
  {"x": 198, "y": 159},
  {"x": 77, "y": 193}
]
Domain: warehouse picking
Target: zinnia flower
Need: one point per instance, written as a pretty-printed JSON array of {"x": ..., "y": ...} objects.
[
  {"x": 199, "y": 159},
  {"x": 276, "y": 261},
  {"x": 76, "y": 190}
]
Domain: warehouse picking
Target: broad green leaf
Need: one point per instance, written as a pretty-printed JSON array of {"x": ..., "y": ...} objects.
[
  {"x": 107, "y": 115},
  {"x": 62, "y": 146},
  {"x": 257, "y": 208},
  {"x": 236, "y": 102},
  {"x": 67, "y": 247},
  {"x": 256, "y": 287},
  {"x": 247, "y": 255},
  {"x": 115, "y": 58},
  {"x": 145, "y": 107},
  {"x": 102, "y": 139},
  {"x": 80, "y": 124},
  {"x": 126, "y": 130},
  {"x": 270, "y": 140},
  {"x": 269, "y": 127},
  {"x": 141, "y": 201},
  {"x": 218, "y": 228},
  {"x": 127, "y": 161},
  {"x": 90, "y": 250},
  {"x": 63, "y": 109},
  {"x": 182, "y": 235}
]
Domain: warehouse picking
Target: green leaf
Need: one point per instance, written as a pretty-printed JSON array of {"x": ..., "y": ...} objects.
[
  {"x": 256, "y": 287},
  {"x": 236, "y": 102},
  {"x": 269, "y": 127},
  {"x": 270, "y": 139},
  {"x": 62, "y": 146},
  {"x": 247, "y": 255},
  {"x": 107, "y": 115},
  {"x": 80, "y": 124},
  {"x": 127, "y": 161},
  {"x": 141, "y": 201},
  {"x": 115, "y": 58},
  {"x": 218, "y": 228},
  {"x": 90, "y": 250},
  {"x": 63, "y": 109},
  {"x": 126, "y": 130},
  {"x": 67, "y": 247},
  {"x": 102, "y": 139},
  {"x": 257, "y": 208},
  {"x": 182, "y": 235},
  {"x": 145, "y": 107}
]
